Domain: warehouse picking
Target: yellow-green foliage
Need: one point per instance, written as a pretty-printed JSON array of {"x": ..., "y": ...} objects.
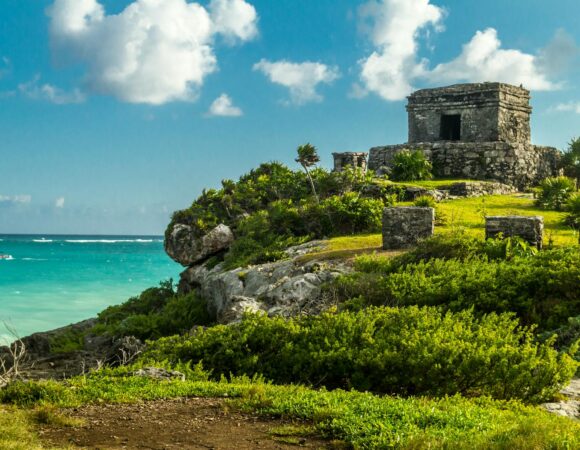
[
  {"x": 540, "y": 289},
  {"x": 405, "y": 351}
]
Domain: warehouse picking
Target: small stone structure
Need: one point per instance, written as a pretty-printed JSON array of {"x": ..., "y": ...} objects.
[
  {"x": 404, "y": 226},
  {"x": 478, "y": 130},
  {"x": 350, "y": 159},
  {"x": 530, "y": 229}
]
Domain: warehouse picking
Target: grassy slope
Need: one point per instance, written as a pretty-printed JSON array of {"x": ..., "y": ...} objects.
[
  {"x": 465, "y": 213},
  {"x": 469, "y": 213},
  {"x": 362, "y": 419}
]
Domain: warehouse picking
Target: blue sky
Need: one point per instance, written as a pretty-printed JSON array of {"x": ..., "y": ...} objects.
[{"x": 113, "y": 114}]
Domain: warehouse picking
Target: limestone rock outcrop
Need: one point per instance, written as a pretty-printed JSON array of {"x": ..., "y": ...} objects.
[
  {"x": 287, "y": 288},
  {"x": 184, "y": 247}
]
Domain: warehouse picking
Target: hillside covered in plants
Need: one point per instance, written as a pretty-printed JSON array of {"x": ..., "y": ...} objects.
[{"x": 301, "y": 316}]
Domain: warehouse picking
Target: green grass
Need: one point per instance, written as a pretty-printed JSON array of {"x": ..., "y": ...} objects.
[
  {"x": 469, "y": 213},
  {"x": 466, "y": 213},
  {"x": 16, "y": 430},
  {"x": 427, "y": 184},
  {"x": 346, "y": 247},
  {"x": 364, "y": 420}
]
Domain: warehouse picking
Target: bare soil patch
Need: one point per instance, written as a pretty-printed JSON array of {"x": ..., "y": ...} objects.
[{"x": 196, "y": 423}]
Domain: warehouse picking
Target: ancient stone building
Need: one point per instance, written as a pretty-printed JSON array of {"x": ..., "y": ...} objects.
[
  {"x": 350, "y": 159},
  {"x": 479, "y": 130}
]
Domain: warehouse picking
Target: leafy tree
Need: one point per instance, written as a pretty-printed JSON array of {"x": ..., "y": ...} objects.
[
  {"x": 411, "y": 166},
  {"x": 308, "y": 157},
  {"x": 571, "y": 160}
]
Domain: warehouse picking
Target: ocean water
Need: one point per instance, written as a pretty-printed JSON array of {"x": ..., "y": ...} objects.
[{"x": 51, "y": 281}]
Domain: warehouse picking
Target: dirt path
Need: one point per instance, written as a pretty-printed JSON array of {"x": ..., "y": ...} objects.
[{"x": 198, "y": 423}]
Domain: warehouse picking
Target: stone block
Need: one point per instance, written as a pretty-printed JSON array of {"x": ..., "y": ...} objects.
[
  {"x": 530, "y": 229},
  {"x": 404, "y": 226}
]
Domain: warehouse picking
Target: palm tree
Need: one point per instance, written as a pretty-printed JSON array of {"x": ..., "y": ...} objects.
[{"x": 308, "y": 157}]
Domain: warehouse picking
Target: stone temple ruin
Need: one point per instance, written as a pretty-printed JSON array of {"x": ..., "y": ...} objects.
[
  {"x": 350, "y": 159},
  {"x": 479, "y": 131}
]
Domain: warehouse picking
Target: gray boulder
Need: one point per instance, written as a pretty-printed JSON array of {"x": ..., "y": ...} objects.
[
  {"x": 156, "y": 373},
  {"x": 185, "y": 248},
  {"x": 287, "y": 288}
]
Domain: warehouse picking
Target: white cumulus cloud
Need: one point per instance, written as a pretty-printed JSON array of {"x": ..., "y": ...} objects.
[
  {"x": 21, "y": 198},
  {"x": 234, "y": 19},
  {"x": 396, "y": 28},
  {"x": 302, "y": 79},
  {"x": 154, "y": 51},
  {"x": 223, "y": 106},
  {"x": 483, "y": 59},
  {"x": 567, "y": 107},
  {"x": 59, "y": 202},
  {"x": 36, "y": 91}
]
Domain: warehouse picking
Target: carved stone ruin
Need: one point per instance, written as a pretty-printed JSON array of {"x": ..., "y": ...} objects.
[
  {"x": 477, "y": 131},
  {"x": 404, "y": 226},
  {"x": 350, "y": 159},
  {"x": 530, "y": 229}
]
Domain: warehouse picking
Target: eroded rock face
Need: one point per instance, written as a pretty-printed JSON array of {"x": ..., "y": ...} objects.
[
  {"x": 185, "y": 248},
  {"x": 286, "y": 288},
  {"x": 570, "y": 405}
]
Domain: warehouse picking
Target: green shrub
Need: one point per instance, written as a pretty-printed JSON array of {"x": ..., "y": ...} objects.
[
  {"x": 567, "y": 335},
  {"x": 540, "y": 289},
  {"x": 573, "y": 211},
  {"x": 156, "y": 312},
  {"x": 554, "y": 192},
  {"x": 264, "y": 236},
  {"x": 411, "y": 166},
  {"x": 408, "y": 351}
]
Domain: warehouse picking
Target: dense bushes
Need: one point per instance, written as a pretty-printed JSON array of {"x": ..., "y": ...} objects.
[
  {"x": 540, "y": 289},
  {"x": 271, "y": 208},
  {"x": 263, "y": 236},
  {"x": 404, "y": 351},
  {"x": 411, "y": 166},
  {"x": 156, "y": 312}
]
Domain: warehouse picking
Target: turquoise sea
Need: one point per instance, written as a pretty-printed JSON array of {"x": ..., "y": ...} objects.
[{"x": 49, "y": 281}]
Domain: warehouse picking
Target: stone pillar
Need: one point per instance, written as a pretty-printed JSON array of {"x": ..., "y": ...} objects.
[
  {"x": 350, "y": 159},
  {"x": 529, "y": 228},
  {"x": 404, "y": 226}
]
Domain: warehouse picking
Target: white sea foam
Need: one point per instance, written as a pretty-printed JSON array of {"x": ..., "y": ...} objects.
[
  {"x": 108, "y": 241},
  {"x": 34, "y": 259},
  {"x": 47, "y": 241}
]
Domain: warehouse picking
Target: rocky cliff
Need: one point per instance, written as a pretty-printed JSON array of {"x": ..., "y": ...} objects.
[{"x": 288, "y": 287}]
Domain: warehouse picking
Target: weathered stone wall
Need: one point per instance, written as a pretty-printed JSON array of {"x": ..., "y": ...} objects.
[
  {"x": 519, "y": 165},
  {"x": 530, "y": 229},
  {"x": 489, "y": 112},
  {"x": 404, "y": 226},
  {"x": 350, "y": 159},
  {"x": 480, "y": 188}
]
